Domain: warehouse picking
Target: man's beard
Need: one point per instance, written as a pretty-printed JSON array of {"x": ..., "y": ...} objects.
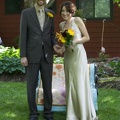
[{"x": 41, "y": 4}]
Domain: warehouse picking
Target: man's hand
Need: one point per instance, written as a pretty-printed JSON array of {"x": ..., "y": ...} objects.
[
  {"x": 57, "y": 48},
  {"x": 24, "y": 61},
  {"x": 60, "y": 50}
]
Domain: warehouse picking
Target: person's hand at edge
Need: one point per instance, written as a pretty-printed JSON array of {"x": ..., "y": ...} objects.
[{"x": 24, "y": 61}]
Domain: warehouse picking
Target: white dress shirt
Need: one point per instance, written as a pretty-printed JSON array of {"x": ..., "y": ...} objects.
[{"x": 41, "y": 15}]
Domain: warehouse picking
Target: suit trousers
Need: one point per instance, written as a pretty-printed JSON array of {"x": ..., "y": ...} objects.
[{"x": 32, "y": 73}]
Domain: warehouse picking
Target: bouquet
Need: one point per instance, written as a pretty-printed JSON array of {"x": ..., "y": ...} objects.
[{"x": 66, "y": 37}]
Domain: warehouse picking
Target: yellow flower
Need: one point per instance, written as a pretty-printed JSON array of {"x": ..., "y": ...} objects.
[
  {"x": 49, "y": 14},
  {"x": 60, "y": 37},
  {"x": 66, "y": 37},
  {"x": 63, "y": 40},
  {"x": 71, "y": 32}
]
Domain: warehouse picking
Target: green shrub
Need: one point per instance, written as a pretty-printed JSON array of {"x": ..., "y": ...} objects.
[
  {"x": 115, "y": 66},
  {"x": 10, "y": 61},
  {"x": 11, "y": 65},
  {"x": 110, "y": 68},
  {"x": 9, "y": 51},
  {"x": 103, "y": 56},
  {"x": 58, "y": 60},
  {"x": 79, "y": 13}
]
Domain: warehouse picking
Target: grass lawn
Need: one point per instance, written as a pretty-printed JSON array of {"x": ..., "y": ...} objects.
[{"x": 13, "y": 103}]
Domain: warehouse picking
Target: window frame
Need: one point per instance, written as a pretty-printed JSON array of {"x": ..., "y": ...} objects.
[{"x": 97, "y": 18}]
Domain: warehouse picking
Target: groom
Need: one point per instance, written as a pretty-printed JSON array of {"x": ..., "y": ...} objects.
[{"x": 37, "y": 41}]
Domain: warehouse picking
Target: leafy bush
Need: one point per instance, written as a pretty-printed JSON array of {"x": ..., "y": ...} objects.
[
  {"x": 103, "y": 56},
  {"x": 79, "y": 13},
  {"x": 109, "y": 68},
  {"x": 11, "y": 65},
  {"x": 115, "y": 65},
  {"x": 10, "y": 61},
  {"x": 9, "y": 51},
  {"x": 58, "y": 60}
]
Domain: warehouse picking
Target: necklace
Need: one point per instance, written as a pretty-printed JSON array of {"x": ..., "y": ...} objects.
[{"x": 67, "y": 26}]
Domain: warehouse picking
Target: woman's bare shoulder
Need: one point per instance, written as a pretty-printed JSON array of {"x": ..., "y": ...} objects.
[
  {"x": 61, "y": 25},
  {"x": 78, "y": 19}
]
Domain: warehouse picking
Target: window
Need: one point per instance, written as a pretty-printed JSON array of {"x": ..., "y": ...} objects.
[
  {"x": 13, "y": 6},
  {"x": 96, "y": 9}
]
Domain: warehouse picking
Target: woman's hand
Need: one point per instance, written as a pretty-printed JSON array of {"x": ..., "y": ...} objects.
[{"x": 75, "y": 41}]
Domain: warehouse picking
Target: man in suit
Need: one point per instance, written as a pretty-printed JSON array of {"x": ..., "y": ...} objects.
[{"x": 37, "y": 41}]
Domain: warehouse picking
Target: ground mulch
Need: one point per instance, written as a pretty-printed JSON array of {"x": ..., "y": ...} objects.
[
  {"x": 107, "y": 84},
  {"x": 13, "y": 77}
]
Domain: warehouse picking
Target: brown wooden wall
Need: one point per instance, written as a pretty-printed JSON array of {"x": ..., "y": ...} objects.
[
  {"x": 9, "y": 29},
  {"x": 9, "y": 25},
  {"x": 111, "y": 36}
]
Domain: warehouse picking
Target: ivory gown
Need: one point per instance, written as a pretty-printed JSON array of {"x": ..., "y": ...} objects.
[{"x": 78, "y": 91}]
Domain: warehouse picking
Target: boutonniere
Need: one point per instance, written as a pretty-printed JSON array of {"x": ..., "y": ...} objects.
[{"x": 50, "y": 14}]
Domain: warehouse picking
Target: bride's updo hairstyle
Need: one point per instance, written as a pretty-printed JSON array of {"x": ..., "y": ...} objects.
[{"x": 70, "y": 7}]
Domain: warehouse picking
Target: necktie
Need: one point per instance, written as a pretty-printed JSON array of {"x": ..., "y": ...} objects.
[{"x": 41, "y": 18}]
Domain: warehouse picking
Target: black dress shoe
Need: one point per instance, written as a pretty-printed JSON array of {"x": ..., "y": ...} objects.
[{"x": 33, "y": 118}]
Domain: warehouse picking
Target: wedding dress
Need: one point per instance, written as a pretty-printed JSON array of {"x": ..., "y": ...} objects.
[{"x": 78, "y": 91}]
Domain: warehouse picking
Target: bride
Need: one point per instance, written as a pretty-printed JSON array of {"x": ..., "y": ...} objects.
[{"x": 78, "y": 92}]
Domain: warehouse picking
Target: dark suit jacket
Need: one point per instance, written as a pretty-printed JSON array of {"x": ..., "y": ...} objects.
[{"x": 31, "y": 36}]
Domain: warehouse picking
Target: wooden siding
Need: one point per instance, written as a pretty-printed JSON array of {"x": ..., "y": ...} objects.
[
  {"x": 111, "y": 36},
  {"x": 9, "y": 29},
  {"x": 9, "y": 25}
]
